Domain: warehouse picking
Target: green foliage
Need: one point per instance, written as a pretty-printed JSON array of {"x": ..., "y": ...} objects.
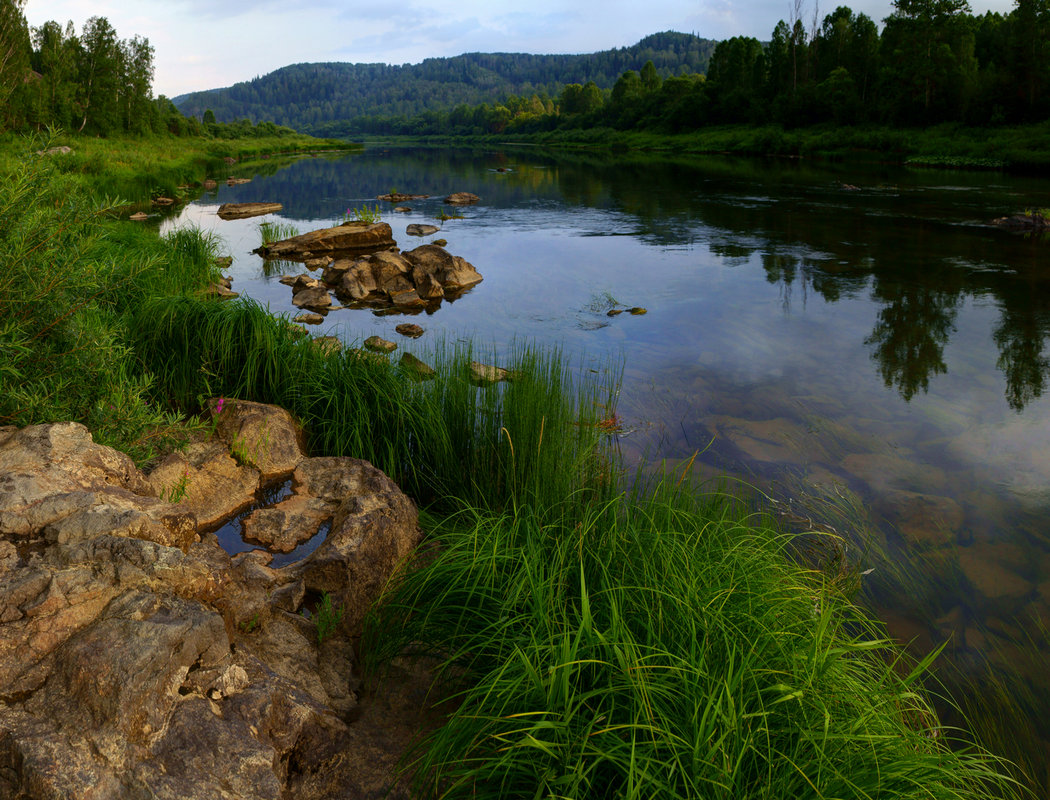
[
  {"x": 327, "y": 617},
  {"x": 658, "y": 646},
  {"x": 309, "y": 96},
  {"x": 371, "y": 215},
  {"x": 276, "y": 231},
  {"x": 70, "y": 277}
]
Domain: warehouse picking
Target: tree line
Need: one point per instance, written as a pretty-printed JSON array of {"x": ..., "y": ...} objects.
[
  {"x": 933, "y": 62},
  {"x": 309, "y": 96},
  {"x": 92, "y": 83}
]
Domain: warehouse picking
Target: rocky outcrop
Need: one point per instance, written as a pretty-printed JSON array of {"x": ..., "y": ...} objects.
[
  {"x": 415, "y": 279},
  {"x": 245, "y": 210},
  {"x": 139, "y": 659},
  {"x": 349, "y": 239}
]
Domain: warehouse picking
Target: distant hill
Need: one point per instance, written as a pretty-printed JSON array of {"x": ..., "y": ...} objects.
[{"x": 308, "y": 97}]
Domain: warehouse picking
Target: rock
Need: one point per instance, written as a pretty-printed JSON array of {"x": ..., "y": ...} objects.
[
  {"x": 486, "y": 374},
  {"x": 346, "y": 239},
  {"x": 131, "y": 668},
  {"x": 462, "y": 199},
  {"x": 453, "y": 272},
  {"x": 408, "y": 299},
  {"x": 421, "y": 230},
  {"x": 410, "y": 330},
  {"x": 416, "y": 368},
  {"x": 212, "y": 484},
  {"x": 399, "y": 197},
  {"x": 613, "y": 312},
  {"x": 379, "y": 344},
  {"x": 318, "y": 263},
  {"x": 209, "y": 184},
  {"x": 237, "y": 181},
  {"x": 925, "y": 521},
  {"x": 163, "y": 201},
  {"x": 309, "y": 318},
  {"x": 991, "y": 572},
  {"x": 223, "y": 262},
  {"x": 229, "y": 160},
  {"x": 1023, "y": 222},
  {"x": 62, "y": 149},
  {"x": 138, "y": 216},
  {"x": 288, "y": 524},
  {"x": 440, "y": 242},
  {"x": 245, "y": 210},
  {"x": 402, "y": 209},
  {"x": 270, "y": 439},
  {"x": 313, "y": 297},
  {"x": 637, "y": 311},
  {"x": 328, "y": 344},
  {"x": 335, "y": 270},
  {"x": 220, "y": 291}
]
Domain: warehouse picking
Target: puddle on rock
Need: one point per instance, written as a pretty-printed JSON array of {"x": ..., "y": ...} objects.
[{"x": 231, "y": 533}]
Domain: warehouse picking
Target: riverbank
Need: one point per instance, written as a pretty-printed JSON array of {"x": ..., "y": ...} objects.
[
  {"x": 1020, "y": 148},
  {"x": 608, "y": 644}
]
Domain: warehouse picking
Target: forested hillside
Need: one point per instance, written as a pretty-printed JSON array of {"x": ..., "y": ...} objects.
[
  {"x": 306, "y": 96},
  {"x": 933, "y": 62}
]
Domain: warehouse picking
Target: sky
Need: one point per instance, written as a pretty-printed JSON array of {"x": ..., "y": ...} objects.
[{"x": 209, "y": 44}]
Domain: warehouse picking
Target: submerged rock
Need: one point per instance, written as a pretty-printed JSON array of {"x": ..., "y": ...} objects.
[
  {"x": 379, "y": 344},
  {"x": 421, "y": 230},
  {"x": 416, "y": 368},
  {"x": 462, "y": 199}
]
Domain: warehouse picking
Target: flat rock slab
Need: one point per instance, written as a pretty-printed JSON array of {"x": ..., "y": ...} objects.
[
  {"x": 350, "y": 238},
  {"x": 245, "y": 210},
  {"x": 421, "y": 230}
]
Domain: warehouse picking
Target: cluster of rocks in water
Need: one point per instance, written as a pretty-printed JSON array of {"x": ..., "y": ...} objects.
[
  {"x": 139, "y": 659},
  {"x": 361, "y": 265}
]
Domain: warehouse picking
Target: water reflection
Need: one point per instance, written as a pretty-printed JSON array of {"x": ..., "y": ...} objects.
[{"x": 873, "y": 359}]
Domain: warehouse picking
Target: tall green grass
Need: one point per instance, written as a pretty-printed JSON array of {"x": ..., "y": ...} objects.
[
  {"x": 271, "y": 232},
  {"x": 68, "y": 277},
  {"x": 531, "y": 441},
  {"x": 658, "y": 647}
]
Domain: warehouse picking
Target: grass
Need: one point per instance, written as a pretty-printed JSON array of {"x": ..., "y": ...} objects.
[
  {"x": 276, "y": 231},
  {"x": 371, "y": 215},
  {"x": 658, "y": 646},
  {"x": 522, "y": 442},
  {"x": 662, "y": 644}
]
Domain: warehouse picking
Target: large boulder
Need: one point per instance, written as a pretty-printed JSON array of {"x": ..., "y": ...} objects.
[
  {"x": 419, "y": 278},
  {"x": 350, "y": 238},
  {"x": 131, "y": 667}
]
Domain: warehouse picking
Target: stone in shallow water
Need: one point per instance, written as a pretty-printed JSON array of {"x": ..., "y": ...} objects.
[
  {"x": 379, "y": 344},
  {"x": 409, "y": 329},
  {"x": 416, "y": 368},
  {"x": 309, "y": 319}
]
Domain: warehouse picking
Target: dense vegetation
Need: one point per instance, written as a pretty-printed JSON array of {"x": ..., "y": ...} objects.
[
  {"x": 309, "y": 97},
  {"x": 660, "y": 643},
  {"x": 933, "y": 62},
  {"x": 94, "y": 84}
]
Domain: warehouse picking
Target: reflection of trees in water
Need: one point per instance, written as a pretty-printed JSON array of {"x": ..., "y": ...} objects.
[
  {"x": 1020, "y": 337},
  {"x": 910, "y": 333},
  {"x": 814, "y": 236}
]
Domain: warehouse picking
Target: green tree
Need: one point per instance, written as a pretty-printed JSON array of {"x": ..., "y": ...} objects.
[
  {"x": 651, "y": 80},
  {"x": 99, "y": 78},
  {"x": 932, "y": 65},
  {"x": 14, "y": 54}
]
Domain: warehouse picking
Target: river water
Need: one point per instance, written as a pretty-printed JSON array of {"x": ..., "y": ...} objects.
[{"x": 855, "y": 345}]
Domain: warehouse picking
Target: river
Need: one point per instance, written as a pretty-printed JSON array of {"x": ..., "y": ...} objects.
[{"x": 853, "y": 345}]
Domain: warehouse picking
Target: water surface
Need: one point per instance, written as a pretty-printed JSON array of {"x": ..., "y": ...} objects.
[{"x": 856, "y": 343}]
